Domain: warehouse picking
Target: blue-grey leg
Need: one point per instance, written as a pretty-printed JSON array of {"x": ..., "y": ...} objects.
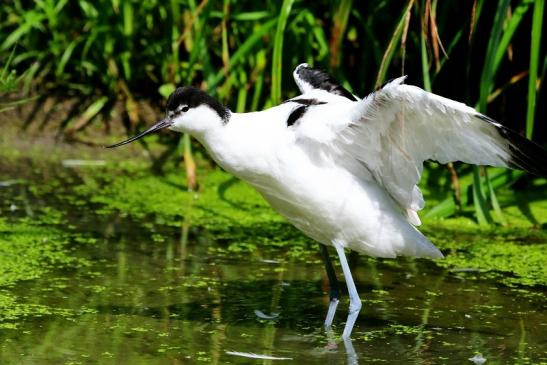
[
  {"x": 334, "y": 289},
  {"x": 354, "y": 300}
]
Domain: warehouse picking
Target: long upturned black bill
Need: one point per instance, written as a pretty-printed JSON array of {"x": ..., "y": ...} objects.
[{"x": 164, "y": 123}]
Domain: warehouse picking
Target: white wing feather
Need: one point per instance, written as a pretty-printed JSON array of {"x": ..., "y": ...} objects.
[
  {"x": 394, "y": 130},
  {"x": 399, "y": 127}
]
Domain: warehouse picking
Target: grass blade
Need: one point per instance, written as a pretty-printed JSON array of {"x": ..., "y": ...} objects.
[
  {"x": 425, "y": 60},
  {"x": 277, "y": 58},
  {"x": 7, "y": 64},
  {"x": 486, "y": 86},
  {"x": 534, "y": 64},
  {"x": 12, "y": 104},
  {"x": 242, "y": 93},
  {"x": 225, "y": 49},
  {"x": 189, "y": 163},
  {"x": 258, "y": 73},
  {"x": 448, "y": 207},
  {"x": 509, "y": 31},
  {"x": 479, "y": 200},
  {"x": 91, "y": 112},
  {"x": 392, "y": 45},
  {"x": 32, "y": 20},
  {"x": 65, "y": 58},
  {"x": 243, "y": 51},
  {"x": 173, "y": 61},
  {"x": 7, "y": 76},
  {"x": 494, "y": 200},
  {"x": 338, "y": 30},
  {"x": 488, "y": 71}
]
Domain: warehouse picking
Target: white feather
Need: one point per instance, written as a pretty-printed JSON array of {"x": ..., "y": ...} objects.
[
  {"x": 251, "y": 355},
  {"x": 347, "y": 171},
  {"x": 394, "y": 130},
  {"x": 399, "y": 127}
]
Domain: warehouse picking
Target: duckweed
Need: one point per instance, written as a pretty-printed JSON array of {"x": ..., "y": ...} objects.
[
  {"x": 234, "y": 215},
  {"x": 227, "y": 209},
  {"x": 29, "y": 251}
]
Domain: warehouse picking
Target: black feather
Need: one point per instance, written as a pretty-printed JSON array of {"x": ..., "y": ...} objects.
[
  {"x": 525, "y": 154},
  {"x": 296, "y": 114},
  {"x": 319, "y": 79},
  {"x": 306, "y": 102}
]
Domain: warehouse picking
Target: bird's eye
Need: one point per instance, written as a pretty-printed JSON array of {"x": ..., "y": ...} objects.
[{"x": 185, "y": 109}]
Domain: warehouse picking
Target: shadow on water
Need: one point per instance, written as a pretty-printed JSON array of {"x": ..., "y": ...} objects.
[{"x": 184, "y": 298}]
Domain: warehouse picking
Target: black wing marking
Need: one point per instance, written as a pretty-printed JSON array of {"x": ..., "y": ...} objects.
[
  {"x": 296, "y": 114},
  {"x": 306, "y": 102},
  {"x": 525, "y": 154},
  {"x": 319, "y": 79}
]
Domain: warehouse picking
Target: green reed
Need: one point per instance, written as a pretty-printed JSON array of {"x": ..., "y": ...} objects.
[{"x": 121, "y": 52}]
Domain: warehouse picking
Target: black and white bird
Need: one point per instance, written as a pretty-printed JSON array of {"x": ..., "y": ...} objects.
[{"x": 345, "y": 170}]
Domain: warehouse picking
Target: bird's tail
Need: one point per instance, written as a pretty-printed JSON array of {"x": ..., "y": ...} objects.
[{"x": 418, "y": 245}]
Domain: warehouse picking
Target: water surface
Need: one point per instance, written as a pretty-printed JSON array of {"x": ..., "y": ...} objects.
[{"x": 159, "y": 294}]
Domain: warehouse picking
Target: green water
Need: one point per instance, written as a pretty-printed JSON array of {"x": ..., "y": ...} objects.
[{"x": 117, "y": 278}]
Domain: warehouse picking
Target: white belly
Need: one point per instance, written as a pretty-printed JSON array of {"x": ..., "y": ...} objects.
[{"x": 330, "y": 204}]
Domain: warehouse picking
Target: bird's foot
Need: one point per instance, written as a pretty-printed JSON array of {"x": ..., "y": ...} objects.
[
  {"x": 354, "y": 309},
  {"x": 352, "y": 317},
  {"x": 330, "y": 314}
]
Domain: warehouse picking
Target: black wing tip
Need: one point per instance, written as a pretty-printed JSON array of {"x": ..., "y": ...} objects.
[
  {"x": 526, "y": 155},
  {"x": 320, "y": 79}
]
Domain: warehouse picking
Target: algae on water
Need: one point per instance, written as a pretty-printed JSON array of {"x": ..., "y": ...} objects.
[
  {"x": 28, "y": 251},
  {"x": 232, "y": 211},
  {"x": 233, "y": 214}
]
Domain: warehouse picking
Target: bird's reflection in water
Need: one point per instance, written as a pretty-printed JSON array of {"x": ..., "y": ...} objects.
[{"x": 332, "y": 345}]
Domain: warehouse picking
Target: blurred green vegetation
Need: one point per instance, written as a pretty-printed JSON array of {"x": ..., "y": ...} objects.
[
  {"x": 123, "y": 52},
  {"x": 10, "y": 82}
]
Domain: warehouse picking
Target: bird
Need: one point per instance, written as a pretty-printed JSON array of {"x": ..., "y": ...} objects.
[{"x": 344, "y": 170}]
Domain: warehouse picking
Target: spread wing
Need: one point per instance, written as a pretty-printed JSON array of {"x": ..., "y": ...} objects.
[{"x": 395, "y": 129}]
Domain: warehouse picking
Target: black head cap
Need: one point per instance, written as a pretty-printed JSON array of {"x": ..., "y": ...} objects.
[
  {"x": 180, "y": 101},
  {"x": 193, "y": 97}
]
